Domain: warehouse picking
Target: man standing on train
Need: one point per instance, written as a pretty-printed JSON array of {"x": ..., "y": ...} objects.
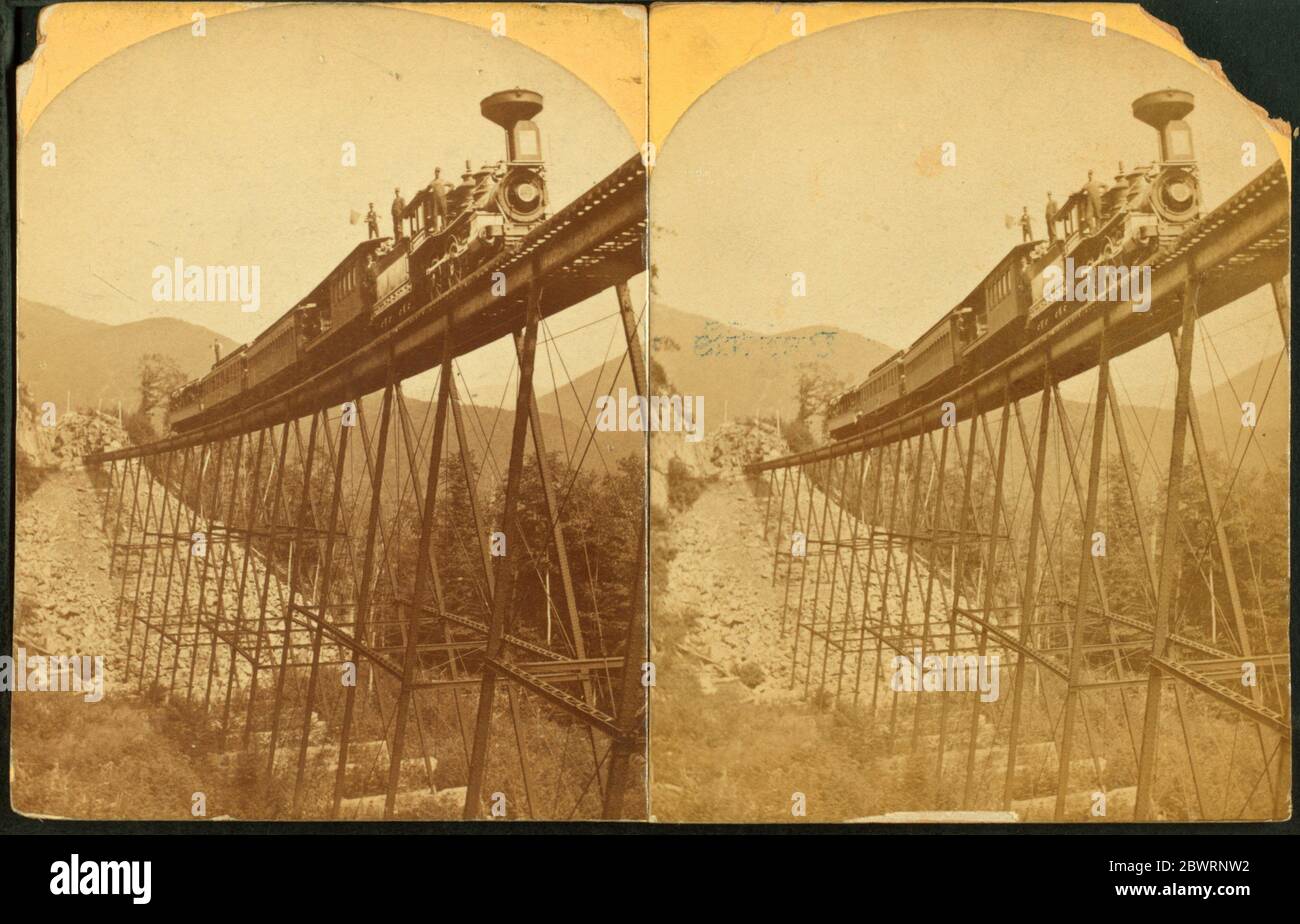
[
  {"x": 399, "y": 206},
  {"x": 1093, "y": 193},
  {"x": 372, "y": 223},
  {"x": 1051, "y": 211},
  {"x": 438, "y": 196},
  {"x": 1026, "y": 227}
]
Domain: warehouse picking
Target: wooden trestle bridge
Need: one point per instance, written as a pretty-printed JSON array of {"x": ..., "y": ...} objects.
[{"x": 316, "y": 633}]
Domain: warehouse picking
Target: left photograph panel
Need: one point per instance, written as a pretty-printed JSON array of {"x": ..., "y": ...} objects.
[{"x": 316, "y": 517}]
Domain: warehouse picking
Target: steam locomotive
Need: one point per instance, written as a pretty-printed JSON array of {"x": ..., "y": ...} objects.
[
  {"x": 1130, "y": 222},
  {"x": 446, "y": 235}
]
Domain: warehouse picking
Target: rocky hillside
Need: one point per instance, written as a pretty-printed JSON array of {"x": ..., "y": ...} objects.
[
  {"x": 63, "y": 597},
  {"x": 40, "y": 449},
  {"x": 734, "y": 737},
  {"x": 73, "y": 437}
]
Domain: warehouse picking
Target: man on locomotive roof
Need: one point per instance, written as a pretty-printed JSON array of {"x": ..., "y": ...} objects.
[
  {"x": 1050, "y": 212},
  {"x": 399, "y": 206},
  {"x": 372, "y": 223},
  {"x": 438, "y": 194},
  {"x": 1093, "y": 189},
  {"x": 1026, "y": 227}
]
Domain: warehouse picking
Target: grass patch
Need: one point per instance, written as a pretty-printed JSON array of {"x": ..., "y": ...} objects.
[
  {"x": 724, "y": 758},
  {"x": 109, "y": 759},
  {"x": 721, "y": 757}
]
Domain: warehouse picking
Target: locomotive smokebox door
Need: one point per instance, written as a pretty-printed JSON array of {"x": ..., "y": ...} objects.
[
  {"x": 513, "y": 110},
  {"x": 1164, "y": 111}
]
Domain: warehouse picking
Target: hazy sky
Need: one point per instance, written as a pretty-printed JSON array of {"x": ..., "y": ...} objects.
[
  {"x": 823, "y": 157},
  {"x": 227, "y": 149}
]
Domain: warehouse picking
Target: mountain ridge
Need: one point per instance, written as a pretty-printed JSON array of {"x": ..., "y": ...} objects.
[
  {"x": 62, "y": 355},
  {"x": 60, "y": 352},
  {"x": 747, "y": 373}
]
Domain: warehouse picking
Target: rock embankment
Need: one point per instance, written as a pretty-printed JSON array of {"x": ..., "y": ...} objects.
[
  {"x": 47, "y": 440},
  {"x": 720, "y": 581},
  {"x": 78, "y": 435},
  {"x": 736, "y": 444},
  {"x": 64, "y": 599},
  {"x": 719, "y": 578}
]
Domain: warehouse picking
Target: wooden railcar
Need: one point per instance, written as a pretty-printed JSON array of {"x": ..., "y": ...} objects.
[
  {"x": 275, "y": 350},
  {"x": 226, "y": 380},
  {"x": 933, "y": 358}
]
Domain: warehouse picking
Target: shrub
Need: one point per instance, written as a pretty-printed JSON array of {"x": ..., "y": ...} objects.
[
  {"x": 750, "y": 674},
  {"x": 684, "y": 487}
]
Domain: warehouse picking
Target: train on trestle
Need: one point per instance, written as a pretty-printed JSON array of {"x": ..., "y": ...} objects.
[
  {"x": 1138, "y": 218},
  {"x": 446, "y": 234}
]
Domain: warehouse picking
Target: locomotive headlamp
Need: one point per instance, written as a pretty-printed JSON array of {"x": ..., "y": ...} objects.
[
  {"x": 525, "y": 192},
  {"x": 521, "y": 194},
  {"x": 1178, "y": 193},
  {"x": 1175, "y": 195}
]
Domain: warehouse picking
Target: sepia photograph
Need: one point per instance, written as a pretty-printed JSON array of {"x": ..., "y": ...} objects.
[
  {"x": 314, "y": 519},
  {"x": 990, "y": 522},
  {"x": 708, "y": 419}
]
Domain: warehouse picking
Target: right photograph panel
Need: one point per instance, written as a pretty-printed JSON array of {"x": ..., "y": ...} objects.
[{"x": 974, "y": 505}]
